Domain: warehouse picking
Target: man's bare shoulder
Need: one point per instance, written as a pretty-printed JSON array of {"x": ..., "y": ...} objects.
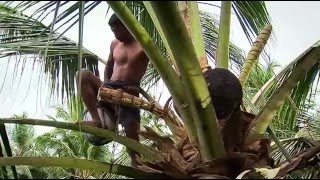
[{"x": 114, "y": 43}]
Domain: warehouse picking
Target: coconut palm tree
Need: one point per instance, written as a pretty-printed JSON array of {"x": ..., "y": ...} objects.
[
  {"x": 199, "y": 152},
  {"x": 56, "y": 143}
]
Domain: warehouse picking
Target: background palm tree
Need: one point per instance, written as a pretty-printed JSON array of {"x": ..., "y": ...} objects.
[
  {"x": 62, "y": 143},
  {"x": 56, "y": 143}
]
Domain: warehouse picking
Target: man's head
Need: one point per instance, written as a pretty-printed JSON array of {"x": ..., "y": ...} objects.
[
  {"x": 119, "y": 29},
  {"x": 225, "y": 90}
]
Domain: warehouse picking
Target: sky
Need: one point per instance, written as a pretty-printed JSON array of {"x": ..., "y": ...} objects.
[{"x": 296, "y": 25}]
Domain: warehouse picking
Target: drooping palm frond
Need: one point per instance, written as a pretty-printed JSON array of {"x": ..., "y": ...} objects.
[
  {"x": 25, "y": 37},
  {"x": 252, "y": 15},
  {"x": 42, "y": 10}
]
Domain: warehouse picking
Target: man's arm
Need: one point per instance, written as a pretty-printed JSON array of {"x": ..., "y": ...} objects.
[{"x": 110, "y": 63}]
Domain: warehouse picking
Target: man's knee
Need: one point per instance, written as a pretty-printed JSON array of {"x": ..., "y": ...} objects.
[{"x": 83, "y": 74}]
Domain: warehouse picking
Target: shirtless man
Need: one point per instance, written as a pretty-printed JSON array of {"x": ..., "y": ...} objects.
[{"x": 125, "y": 68}]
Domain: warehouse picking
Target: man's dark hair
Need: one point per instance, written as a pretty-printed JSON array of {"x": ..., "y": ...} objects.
[
  {"x": 113, "y": 19},
  {"x": 225, "y": 90}
]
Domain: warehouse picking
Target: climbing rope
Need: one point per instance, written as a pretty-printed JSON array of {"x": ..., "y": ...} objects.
[{"x": 116, "y": 130}]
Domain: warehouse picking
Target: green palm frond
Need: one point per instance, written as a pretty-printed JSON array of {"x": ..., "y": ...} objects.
[
  {"x": 300, "y": 98},
  {"x": 297, "y": 105},
  {"x": 28, "y": 36},
  {"x": 295, "y": 146},
  {"x": 259, "y": 76},
  {"x": 53, "y": 142},
  {"x": 24, "y": 37},
  {"x": 99, "y": 153},
  {"x": 292, "y": 111},
  {"x": 252, "y": 15},
  {"x": 66, "y": 18}
]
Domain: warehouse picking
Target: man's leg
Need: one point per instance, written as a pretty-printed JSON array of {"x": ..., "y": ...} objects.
[
  {"x": 130, "y": 120},
  {"x": 90, "y": 85}
]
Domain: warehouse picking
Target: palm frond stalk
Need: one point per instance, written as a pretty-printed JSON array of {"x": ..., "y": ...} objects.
[
  {"x": 80, "y": 40},
  {"x": 198, "y": 95},
  {"x": 149, "y": 153},
  {"x": 190, "y": 13},
  {"x": 224, "y": 36},
  {"x": 4, "y": 171},
  {"x": 7, "y": 147},
  {"x": 148, "y": 7},
  {"x": 80, "y": 164}
]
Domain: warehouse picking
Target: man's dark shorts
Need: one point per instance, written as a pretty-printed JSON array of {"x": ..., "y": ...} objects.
[{"x": 124, "y": 113}]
